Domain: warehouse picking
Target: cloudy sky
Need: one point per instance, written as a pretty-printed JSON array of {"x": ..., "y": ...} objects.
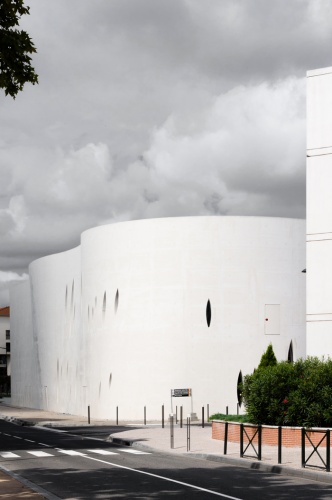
[{"x": 155, "y": 108}]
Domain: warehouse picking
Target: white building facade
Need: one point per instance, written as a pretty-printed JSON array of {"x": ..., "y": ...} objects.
[
  {"x": 319, "y": 212},
  {"x": 144, "y": 307}
]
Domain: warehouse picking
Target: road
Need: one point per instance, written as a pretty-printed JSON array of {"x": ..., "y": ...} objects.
[{"x": 79, "y": 467}]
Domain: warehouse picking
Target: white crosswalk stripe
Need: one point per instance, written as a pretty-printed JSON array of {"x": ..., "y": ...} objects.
[
  {"x": 8, "y": 454},
  {"x": 134, "y": 452},
  {"x": 72, "y": 453},
  {"x": 103, "y": 452},
  {"x": 40, "y": 454}
]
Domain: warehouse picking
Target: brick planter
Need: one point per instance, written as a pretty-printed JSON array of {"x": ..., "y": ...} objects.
[{"x": 291, "y": 436}]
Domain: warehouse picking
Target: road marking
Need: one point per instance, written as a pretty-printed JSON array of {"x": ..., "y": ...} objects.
[
  {"x": 103, "y": 452},
  {"x": 134, "y": 452},
  {"x": 43, "y": 444},
  {"x": 6, "y": 434},
  {"x": 8, "y": 454},
  {"x": 164, "y": 478},
  {"x": 72, "y": 453},
  {"x": 30, "y": 440},
  {"x": 17, "y": 437},
  {"x": 40, "y": 454}
]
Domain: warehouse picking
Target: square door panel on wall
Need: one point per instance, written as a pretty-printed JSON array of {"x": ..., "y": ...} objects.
[{"x": 272, "y": 319}]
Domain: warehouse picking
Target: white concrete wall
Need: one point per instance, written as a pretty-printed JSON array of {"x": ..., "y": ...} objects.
[
  {"x": 319, "y": 213},
  {"x": 85, "y": 350}
]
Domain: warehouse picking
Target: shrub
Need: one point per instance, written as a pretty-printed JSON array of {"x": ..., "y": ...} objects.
[
  {"x": 297, "y": 394},
  {"x": 229, "y": 418}
]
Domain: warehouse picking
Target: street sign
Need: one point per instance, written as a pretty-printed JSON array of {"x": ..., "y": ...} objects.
[{"x": 180, "y": 393}]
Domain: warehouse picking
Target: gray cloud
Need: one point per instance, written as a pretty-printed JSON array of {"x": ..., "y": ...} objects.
[{"x": 151, "y": 109}]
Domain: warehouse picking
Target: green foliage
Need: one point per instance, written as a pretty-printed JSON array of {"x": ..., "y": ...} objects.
[
  {"x": 229, "y": 418},
  {"x": 268, "y": 358},
  {"x": 296, "y": 394},
  {"x": 15, "y": 47}
]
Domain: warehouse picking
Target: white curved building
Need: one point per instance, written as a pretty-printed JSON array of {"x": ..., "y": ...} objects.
[{"x": 143, "y": 307}]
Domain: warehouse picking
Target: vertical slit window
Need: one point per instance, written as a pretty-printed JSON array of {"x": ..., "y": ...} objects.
[
  {"x": 116, "y": 301},
  {"x": 290, "y": 357},
  {"x": 239, "y": 388},
  {"x": 72, "y": 296},
  {"x": 208, "y": 313},
  {"x": 104, "y": 304}
]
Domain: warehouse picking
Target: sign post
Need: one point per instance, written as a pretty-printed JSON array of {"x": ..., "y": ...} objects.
[{"x": 181, "y": 393}]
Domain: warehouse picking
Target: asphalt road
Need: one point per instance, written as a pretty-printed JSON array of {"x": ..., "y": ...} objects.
[{"x": 78, "y": 467}]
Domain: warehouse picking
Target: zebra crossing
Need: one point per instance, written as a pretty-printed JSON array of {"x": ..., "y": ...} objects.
[{"x": 58, "y": 452}]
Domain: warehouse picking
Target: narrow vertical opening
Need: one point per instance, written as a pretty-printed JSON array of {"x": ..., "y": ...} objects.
[
  {"x": 208, "y": 313},
  {"x": 104, "y": 304},
  {"x": 116, "y": 301},
  {"x": 239, "y": 388},
  {"x": 72, "y": 296},
  {"x": 110, "y": 380},
  {"x": 66, "y": 298},
  {"x": 290, "y": 357}
]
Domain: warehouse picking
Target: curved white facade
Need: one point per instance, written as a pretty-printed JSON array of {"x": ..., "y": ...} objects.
[{"x": 122, "y": 319}]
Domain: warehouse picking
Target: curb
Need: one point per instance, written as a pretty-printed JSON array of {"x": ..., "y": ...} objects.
[
  {"x": 17, "y": 421},
  {"x": 28, "y": 484},
  {"x": 239, "y": 462}
]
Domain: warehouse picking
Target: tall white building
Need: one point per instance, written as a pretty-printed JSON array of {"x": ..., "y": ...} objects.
[{"x": 319, "y": 212}]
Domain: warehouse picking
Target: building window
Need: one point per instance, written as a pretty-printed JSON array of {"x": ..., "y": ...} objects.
[
  {"x": 7, "y": 334},
  {"x": 208, "y": 313},
  {"x": 239, "y": 388},
  {"x": 290, "y": 358}
]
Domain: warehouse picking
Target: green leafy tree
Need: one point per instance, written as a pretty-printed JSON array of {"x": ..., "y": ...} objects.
[
  {"x": 268, "y": 358},
  {"x": 15, "y": 47}
]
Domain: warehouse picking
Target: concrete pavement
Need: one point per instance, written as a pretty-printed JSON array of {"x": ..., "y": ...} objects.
[{"x": 153, "y": 436}]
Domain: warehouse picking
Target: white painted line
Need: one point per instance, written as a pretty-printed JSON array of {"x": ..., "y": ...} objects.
[
  {"x": 30, "y": 440},
  {"x": 17, "y": 437},
  {"x": 7, "y": 434},
  {"x": 40, "y": 454},
  {"x": 103, "y": 452},
  {"x": 8, "y": 454},
  {"x": 43, "y": 444},
  {"x": 134, "y": 452},
  {"x": 72, "y": 453},
  {"x": 165, "y": 478}
]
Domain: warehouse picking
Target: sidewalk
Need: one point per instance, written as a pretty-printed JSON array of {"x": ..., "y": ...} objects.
[{"x": 154, "y": 437}]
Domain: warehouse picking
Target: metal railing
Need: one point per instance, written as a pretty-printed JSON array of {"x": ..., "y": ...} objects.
[
  {"x": 250, "y": 441},
  {"x": 326, "y": 436}
]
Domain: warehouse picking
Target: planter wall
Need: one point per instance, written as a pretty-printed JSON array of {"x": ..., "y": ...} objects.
[{"x": 291, "y": 436}]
